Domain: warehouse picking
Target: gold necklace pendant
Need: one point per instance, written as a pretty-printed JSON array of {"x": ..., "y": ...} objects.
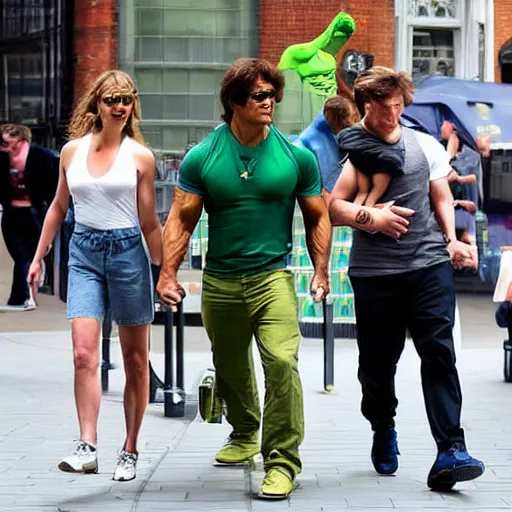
[{"x": 248, "y": 169}]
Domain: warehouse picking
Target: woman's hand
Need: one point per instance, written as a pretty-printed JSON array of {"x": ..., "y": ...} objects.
[{"x": 35, "y": 277}]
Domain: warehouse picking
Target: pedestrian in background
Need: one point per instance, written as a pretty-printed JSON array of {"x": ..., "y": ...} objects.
[{"x": 28, "y": 181}]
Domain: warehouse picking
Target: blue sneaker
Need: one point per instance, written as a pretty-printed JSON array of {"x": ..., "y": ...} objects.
[
  {"x": 385, "y": 451},
  {"x": 452, "y": 466}
]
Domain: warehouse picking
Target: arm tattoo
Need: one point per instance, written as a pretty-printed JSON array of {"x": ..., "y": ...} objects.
[{"x": 363, "y": 217}]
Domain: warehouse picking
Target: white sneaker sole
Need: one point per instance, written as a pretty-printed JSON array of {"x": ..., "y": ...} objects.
[
  {"x": 123, "y": 479},
  {"x": 17, "y": 309},
  {"x": 86, "y": 468}
]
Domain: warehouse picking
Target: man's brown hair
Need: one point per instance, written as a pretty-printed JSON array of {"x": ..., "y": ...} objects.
[
  {"x": 378, "y": 83},
  {"x": 20, "y": 131},
  {"x": 239, "y": 81},
  {"x": 340, "y": 113}
]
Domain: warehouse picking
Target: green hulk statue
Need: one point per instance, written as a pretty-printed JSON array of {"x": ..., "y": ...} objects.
[{"x": 310, "y": 73}]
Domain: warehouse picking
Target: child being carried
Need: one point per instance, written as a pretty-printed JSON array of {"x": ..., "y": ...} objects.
[{"x": 376, "y": 162}]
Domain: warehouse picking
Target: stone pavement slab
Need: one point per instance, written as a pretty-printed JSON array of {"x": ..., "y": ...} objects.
[
  {"x": 337, "y": 472},
  {"x": 38, "y": 424},
  {"x": 175, "y": 472}
]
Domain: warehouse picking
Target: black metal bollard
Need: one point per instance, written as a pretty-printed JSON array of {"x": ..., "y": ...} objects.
[
  {"x": 328, "y": 335},
  {"x": 48, "y": 285},
  {"x": 106, "y": 364},
  {"x": 174, "y": 389}
]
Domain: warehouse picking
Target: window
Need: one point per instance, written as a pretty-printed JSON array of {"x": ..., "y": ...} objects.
[
  {"x": 177, "y": 51},
  {"x": 481, "y": 52},
  {"x": 25, "y": 87},
  {"x": 433, "y": 8},
  {"x": 22, "y": 17},
  {"x": 452, "y": 37},
  {"x": 35, "y": 66},
  {"x": 432, "y": 52}
]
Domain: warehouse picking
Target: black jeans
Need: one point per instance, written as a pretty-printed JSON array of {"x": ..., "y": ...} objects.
[
  {"x": 422, "y": 301},
  {"x": 509, "y": 328},
  {"x": 21, "y": 229}
]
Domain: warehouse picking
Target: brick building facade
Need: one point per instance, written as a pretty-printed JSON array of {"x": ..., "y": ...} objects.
[
  {"x": 280, "y": 24},
  {"x": 502, "y": 29},
  {"x": 290, "y": 21},
  {"x": 177, "y": 51},
  {"x": 96, "y": 37}
]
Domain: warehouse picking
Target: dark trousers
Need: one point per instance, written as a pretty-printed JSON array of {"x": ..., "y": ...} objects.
[
  {"x": 423, "y": 302},
  {"x": 21, "y": 229},
  {"x": 509, "y": 328}
]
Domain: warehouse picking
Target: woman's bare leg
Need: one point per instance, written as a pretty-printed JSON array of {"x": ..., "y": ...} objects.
[
  {"x": 86, "y": 340},
  {"x": 134, "y": 345}
]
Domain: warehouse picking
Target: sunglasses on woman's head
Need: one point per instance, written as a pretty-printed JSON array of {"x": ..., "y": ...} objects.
[
  {"x": 262, "y": 95},
  {"x": 116, "y": 99}
]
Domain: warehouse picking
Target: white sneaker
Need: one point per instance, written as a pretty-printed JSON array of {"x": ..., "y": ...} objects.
[
  {"x": 83, "y": 460},
  {"x": 29, "y": 305},
  {"x": 126, "y": 466}
]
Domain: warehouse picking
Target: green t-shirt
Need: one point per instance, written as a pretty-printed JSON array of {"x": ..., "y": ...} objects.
[{"x": 249, "y": 194}]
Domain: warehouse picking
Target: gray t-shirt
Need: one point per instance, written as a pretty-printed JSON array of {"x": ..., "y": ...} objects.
[{"x": 424, "y": 245}]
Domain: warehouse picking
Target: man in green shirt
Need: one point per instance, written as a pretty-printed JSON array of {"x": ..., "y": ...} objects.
[{"x": 247, "y": 175}]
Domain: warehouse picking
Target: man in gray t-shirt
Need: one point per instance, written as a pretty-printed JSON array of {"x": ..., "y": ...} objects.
[{"x": 401, "y": 273}]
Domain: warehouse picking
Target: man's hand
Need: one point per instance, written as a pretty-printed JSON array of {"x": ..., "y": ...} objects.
[
  {"x": 169, "y": 290},
  {"x": 386, "y": 218},
  {"x": 469, "y": 206},
  {"x": 463, "y": 255},
  {"x": 320, "y": 286}
]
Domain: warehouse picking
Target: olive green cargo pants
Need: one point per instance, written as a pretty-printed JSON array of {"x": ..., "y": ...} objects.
[{"x": 264, "y": 306}]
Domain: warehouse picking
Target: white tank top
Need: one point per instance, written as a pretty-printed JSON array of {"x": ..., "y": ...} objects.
[{"x": 109, "y": 201}]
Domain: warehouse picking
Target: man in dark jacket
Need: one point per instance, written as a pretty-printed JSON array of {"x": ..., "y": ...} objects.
[{"x": 28, "y": 181}]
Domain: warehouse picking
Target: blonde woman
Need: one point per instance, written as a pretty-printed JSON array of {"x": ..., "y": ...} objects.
[{"x": 110, "y": 174}]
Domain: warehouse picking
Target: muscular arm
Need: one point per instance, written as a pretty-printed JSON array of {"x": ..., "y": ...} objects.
[
  {"x": 342, "y": 211},
  {"x": 387, "y": 219},
  {"x": 318, "y": 231},
  {"x": 184, "y": 215},
  {"x": 149, "y": 223},
  {"x": 461, "y": 254},
  {"x": 442, "y": 204}
]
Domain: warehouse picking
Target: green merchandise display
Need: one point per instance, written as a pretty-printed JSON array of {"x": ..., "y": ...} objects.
[
  {"x": 341, "y": 294},
  {"x": 199, "y": 240}
]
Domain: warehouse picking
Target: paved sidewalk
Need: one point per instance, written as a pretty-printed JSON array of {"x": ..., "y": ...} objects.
[
  {"x": 37, "y": 425},
  {"x": 337, "y": 470}
]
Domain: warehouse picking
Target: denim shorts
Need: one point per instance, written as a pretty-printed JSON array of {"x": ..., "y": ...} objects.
[{"x": 109, "y": 268}]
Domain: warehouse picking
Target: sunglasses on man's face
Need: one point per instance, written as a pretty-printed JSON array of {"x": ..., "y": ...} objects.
[
  {"x": 116, "y": 100},
  {"x": 262, "y": 95}
]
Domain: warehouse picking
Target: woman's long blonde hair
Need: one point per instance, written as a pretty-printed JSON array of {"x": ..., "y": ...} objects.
[{"x": 86, "y": 116}]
